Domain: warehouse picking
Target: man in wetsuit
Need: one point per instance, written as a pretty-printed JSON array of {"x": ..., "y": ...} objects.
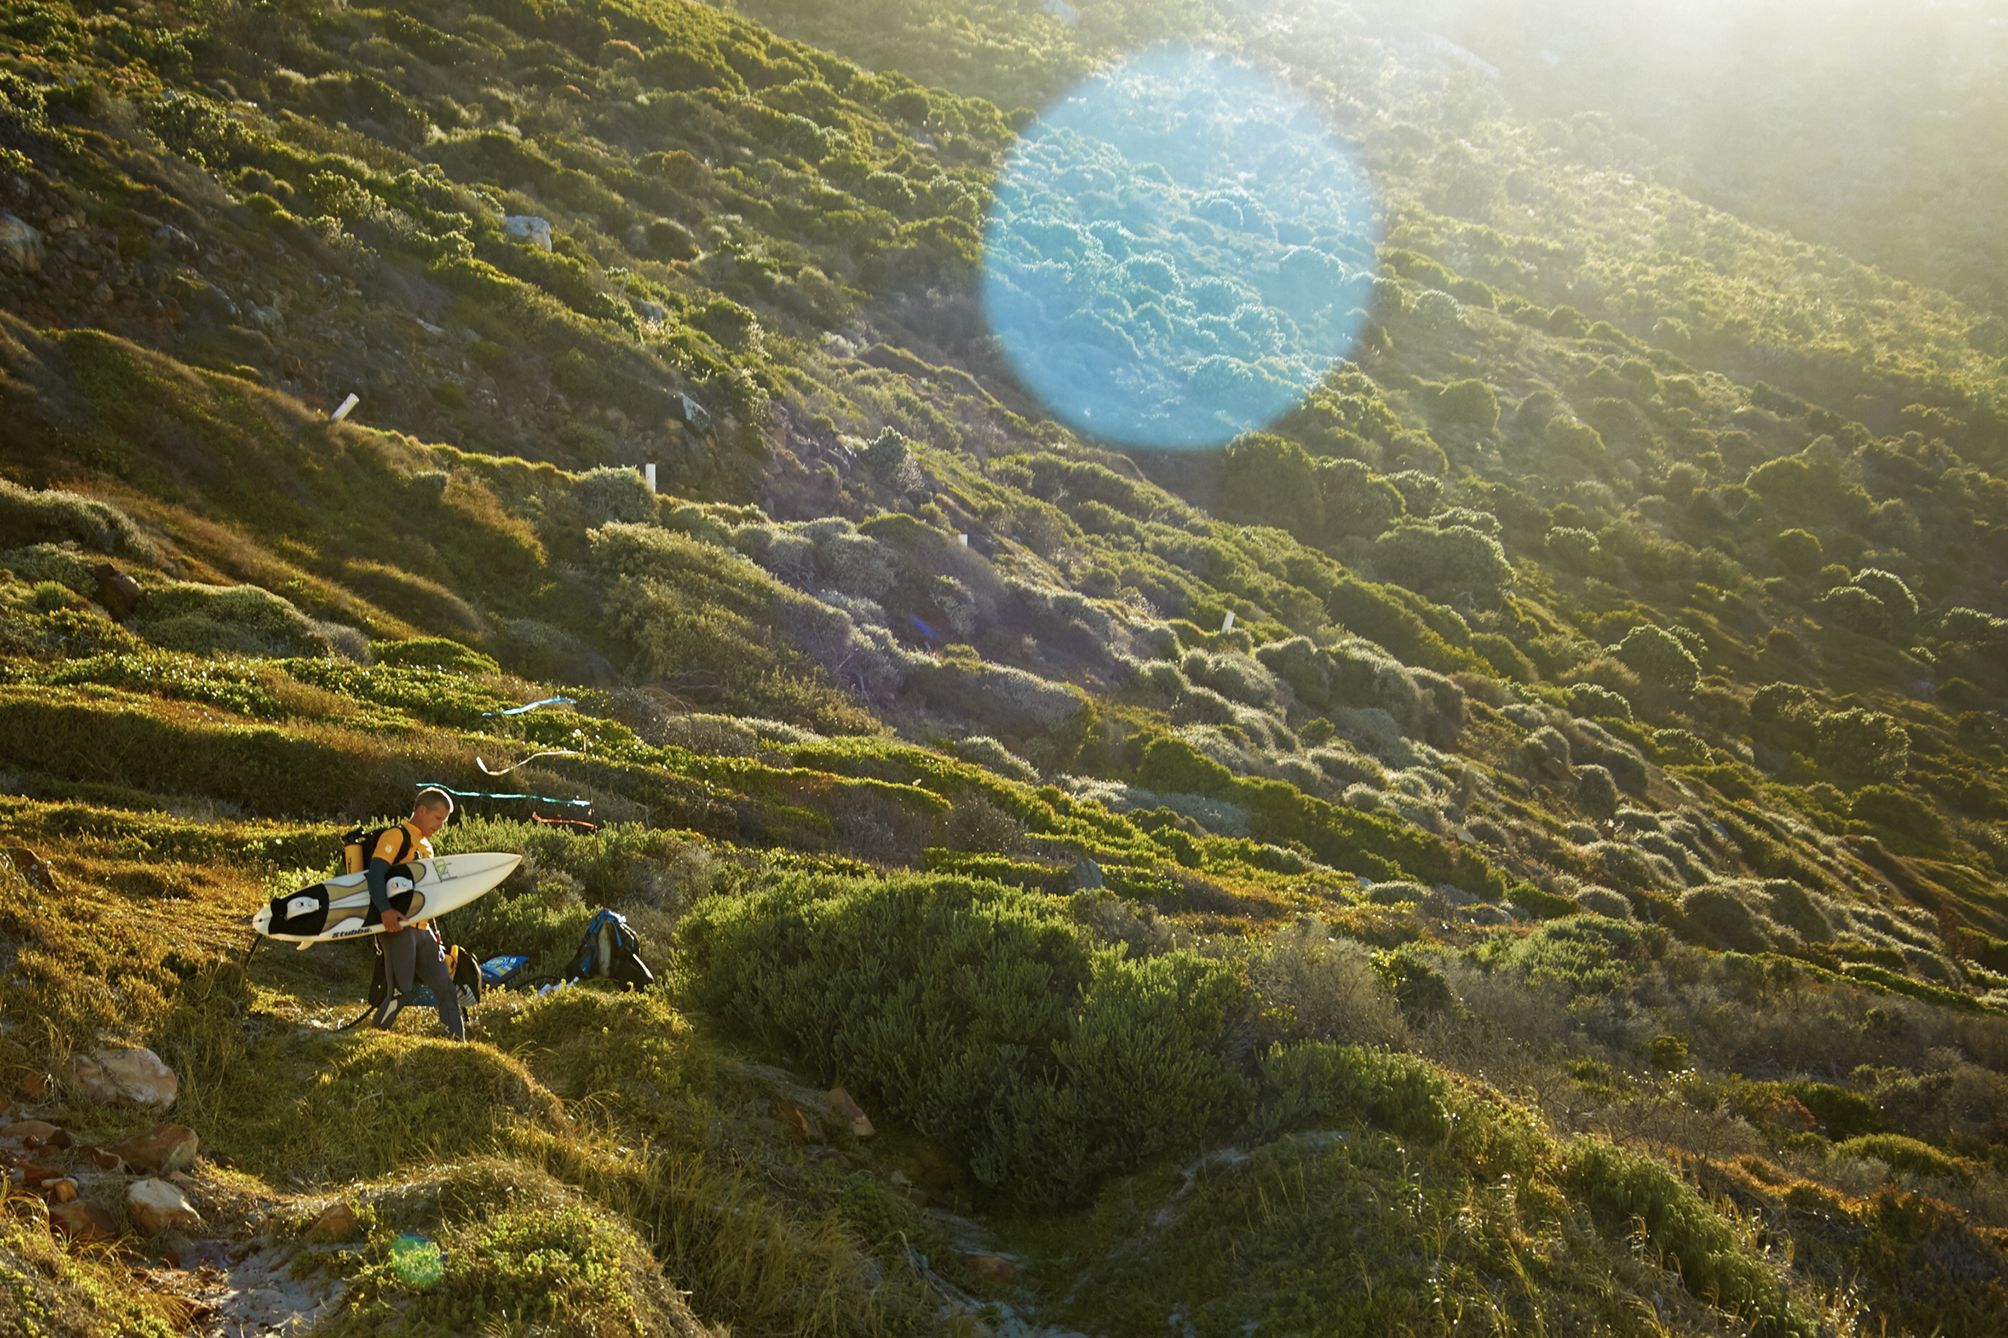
[{"x": 409, "y": 952}]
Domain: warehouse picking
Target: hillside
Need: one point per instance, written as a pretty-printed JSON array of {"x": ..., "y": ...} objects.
[{"x": 1514, "y": 841}]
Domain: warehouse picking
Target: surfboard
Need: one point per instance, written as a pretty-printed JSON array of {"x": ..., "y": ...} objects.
[{"x": 420, "y": 890}]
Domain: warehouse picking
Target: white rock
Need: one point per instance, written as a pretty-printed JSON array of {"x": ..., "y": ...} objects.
[
  {"x": 20, "y": 245},
  {"x": 528, "y": 228},
  {"x": 122, "y": 1074},
  {"x": 155, "y": 1206}
]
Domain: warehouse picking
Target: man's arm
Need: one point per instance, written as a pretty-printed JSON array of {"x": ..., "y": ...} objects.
[{"x": 376, "y": 876}]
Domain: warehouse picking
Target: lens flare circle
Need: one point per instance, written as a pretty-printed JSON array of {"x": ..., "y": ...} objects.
[{"x": 1178, "y": 251}]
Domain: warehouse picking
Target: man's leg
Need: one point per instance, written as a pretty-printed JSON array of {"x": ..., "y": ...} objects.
[
  {"x": 399, "y": 951},
  {"x": 432, "y": 969}
]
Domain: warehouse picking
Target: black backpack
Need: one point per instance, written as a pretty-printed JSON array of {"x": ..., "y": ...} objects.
[
  {"x": 360, "y": 842},
  {"x": 611, "y": 951}
]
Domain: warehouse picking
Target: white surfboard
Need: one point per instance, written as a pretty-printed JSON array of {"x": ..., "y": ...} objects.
[{"x": 420, "y": 889}]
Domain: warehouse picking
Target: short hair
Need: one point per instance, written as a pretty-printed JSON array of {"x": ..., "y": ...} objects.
[{"x": 433, "y": 797}]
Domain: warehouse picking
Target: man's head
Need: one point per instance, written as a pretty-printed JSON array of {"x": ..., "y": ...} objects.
[{"x": 431, "y": 810}]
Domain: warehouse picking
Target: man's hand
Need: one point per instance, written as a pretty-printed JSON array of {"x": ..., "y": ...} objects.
[{"x": 392, "y": 921}]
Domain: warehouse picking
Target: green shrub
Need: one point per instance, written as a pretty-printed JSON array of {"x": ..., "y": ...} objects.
[
  {"x": 1679, "y": 746},
  {"x": 1719, "y": 917},
  {"x": 1859, "y": 747},
  {"x": 433, "y": 652},
  {"x": 1574, "y": 548},
  {"x": 1842, "y": 1114},
  {"x": 1669, "y": 1053},
  {"x": 1597, "y": 792},
  {"x": 1591, "y": 699},
  {"x": 1889, "y": 590},
  {"x": 1469, "y": 404},
  {"x": 1626, "y": 1187},
  {"x": 614, "y": 493},
  {"x": 980, "y": 1015},
  {"x": 1444, "y": 563},
  {"x": 1856, "y": 609},
  {"x": 234, "y": 620},
  {"x": 1314, "y": 1083},
  {"x": 1902, "y": 1153},
  {"x": 54, "y": 516},
  {"x": 1660, "y": 659},
  {"x": 1901, "y": 814},
  {"x": 1585, "y": 954}
]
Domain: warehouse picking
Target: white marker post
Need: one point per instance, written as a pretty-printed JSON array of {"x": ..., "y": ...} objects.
[
  {"x": 964, "y": 538},
  {"x": 648, "y": 473},
  {"x": 343, "y": 412},
  {"x": 1227, "y": 623}
]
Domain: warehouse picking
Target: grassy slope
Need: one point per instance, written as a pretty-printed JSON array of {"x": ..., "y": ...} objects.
[{"x": 1783, "y": 1010}]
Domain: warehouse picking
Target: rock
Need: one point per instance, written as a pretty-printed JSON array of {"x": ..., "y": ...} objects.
[
  {"x": 200, "y": 1254},
  {"x": 20, "y": 246},
  {"x": 337, "y": 1221},
  {"x": 163, "y": 1148},
  {"x": 861, "y": 1124},
  {"x": 992, "y": 1268},
  {"x": 528, "y": 228},
  {"x": 175, "y": 239},
  {"x": 124, "y": 1074},
  {"x": 82, "y": 1221},
  {"x": 155, "y": 1206},
  {"x": 103, "y": 1160},
  {"x": 34, "y": 868},
  {"x": 31, "y": 1133},
  {"x": 34, "y": 1086},
  {"x": 214, "y": 304},
  {"x": 63, "y": 1190},
  {"x": 796, "y": 1124},
  {"x": 268, "y": 319},
  {"x": 119, "y": 593},
  {"x": 1087, "y": 876},
  {"x": 651, "y": 313}
]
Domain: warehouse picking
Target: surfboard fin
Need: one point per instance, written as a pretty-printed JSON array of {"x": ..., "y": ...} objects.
[{"x": 306, "y": 944}]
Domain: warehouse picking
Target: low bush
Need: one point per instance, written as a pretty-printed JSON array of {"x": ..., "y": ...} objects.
[
  {"x": 55, "y": 516},
  {"x": 227, "y": 620},
  {"x": 1317, "y": 1083},
  {"x": 1311, "y": 984},
  {"x": 1718, "y": 916},
  {"x": 1627, "y": 1188},
  {"x": 433, "y": 652},
  {"x": 1069, "y": 1062},
  {"x": 1908, "y": 1155},
  {"x": 1584, "y": 954}
]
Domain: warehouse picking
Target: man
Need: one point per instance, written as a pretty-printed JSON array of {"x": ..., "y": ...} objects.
[{"x": 409, "y": 952}]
